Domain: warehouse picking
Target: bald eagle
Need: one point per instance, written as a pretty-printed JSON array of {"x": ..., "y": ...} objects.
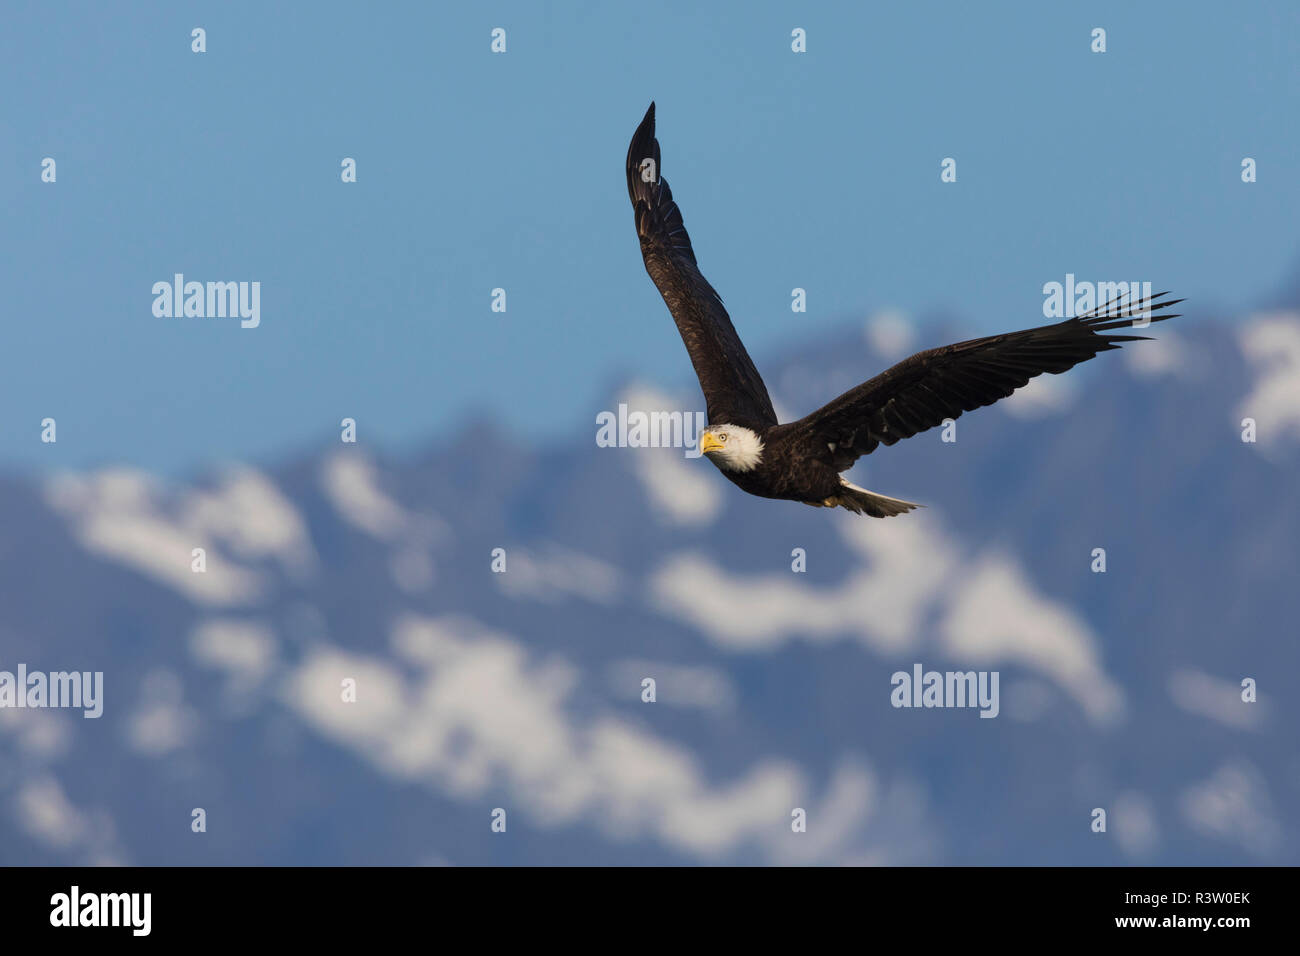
[{"x": 803, "y": 460}]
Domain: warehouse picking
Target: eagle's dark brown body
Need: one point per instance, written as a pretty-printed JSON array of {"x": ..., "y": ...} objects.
[{"x": 795, "y": 467}]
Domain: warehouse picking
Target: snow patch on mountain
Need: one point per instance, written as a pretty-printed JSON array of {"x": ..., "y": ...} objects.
[
  {"x": 1133, "y": 821},
  {"x": 996, "y": 615},
  {"x": 45, "y": 813},
  {"x": 556, "y": 574},
  {"x": 1272, "y": 344},
  {"x": 1219, "y": 700},
  {"x": 1233, "y": 805},
  {"x": 1044, "y": 395},
  {"x": 1167, "y": 353},
  {"x": 117, "y": 513},
  {"x": 890, "y": 334},
  {"x": 351, "y": 483},
  {"x": 248, "y": 512},
  {"x": 479, "y": 715},
  {"x": 244, "y": 650},
  {"x": 882, "y": 604},
  {"x": 990, "y": 610},
  {"x": 161, "y": 721},
  {"x": 679, "y": 489},
  {"x": 676, "y": 685}
]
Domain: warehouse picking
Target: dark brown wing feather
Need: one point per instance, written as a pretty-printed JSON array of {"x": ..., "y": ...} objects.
[
  {"x": 733, "y": 390},
  {"x": 931, "y": 386}
]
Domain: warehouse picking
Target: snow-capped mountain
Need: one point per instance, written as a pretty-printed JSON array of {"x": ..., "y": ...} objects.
[{"x": 496, "y": 608}]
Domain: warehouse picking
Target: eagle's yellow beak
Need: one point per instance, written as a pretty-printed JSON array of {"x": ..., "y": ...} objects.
[{"x": 708, "y": 443}]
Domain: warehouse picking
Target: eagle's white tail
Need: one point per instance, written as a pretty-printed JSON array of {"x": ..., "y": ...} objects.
[{"x": 860, "y": 501}]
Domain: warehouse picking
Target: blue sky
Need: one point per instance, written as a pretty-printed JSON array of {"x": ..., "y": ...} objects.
[{"x": 476, "y": 171}]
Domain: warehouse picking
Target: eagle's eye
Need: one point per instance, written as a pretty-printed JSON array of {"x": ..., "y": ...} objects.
[{"x": 722, "y": 436}]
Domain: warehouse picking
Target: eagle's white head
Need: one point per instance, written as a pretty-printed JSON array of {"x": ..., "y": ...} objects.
[{"x": 731, "y": 447}]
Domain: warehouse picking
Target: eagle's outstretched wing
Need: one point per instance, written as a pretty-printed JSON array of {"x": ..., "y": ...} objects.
[
  {"x": 733, "y": 389},
  {"x": 931, "y": 386}
]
